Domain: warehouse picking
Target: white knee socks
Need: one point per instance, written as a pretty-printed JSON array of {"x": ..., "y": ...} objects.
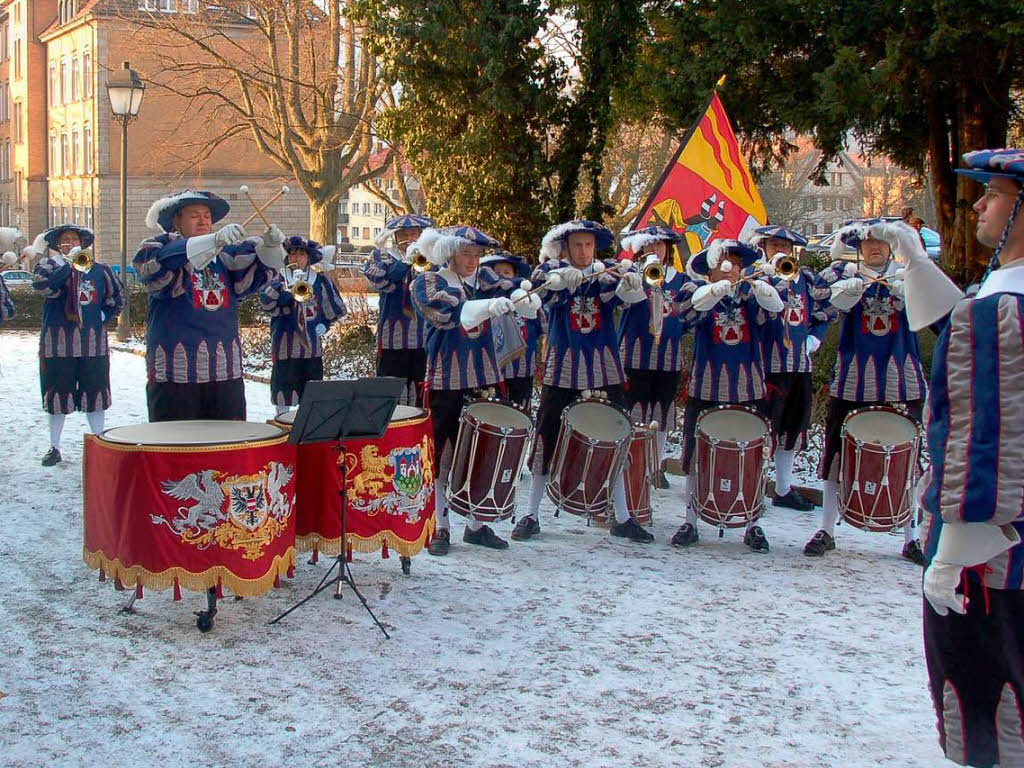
[
  {"x": 56, "y": 427},
  {"x": 691, "y": 515},
  {"x": 441, "y": 505},
  {"x": 536, "y": 494},
  {"x": 95, "y": 421},
  {"x": 783, "y": 472},
  {"x": 830, "y": 507},
  {"x": 662, "y": 439},
  {"x": 473, "y": 524},
  {"x": 619, "y": 500}
]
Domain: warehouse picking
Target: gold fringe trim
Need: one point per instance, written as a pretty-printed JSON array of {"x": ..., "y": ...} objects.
[
  {"x": 367, "y": 545},
  {"x": 186, "y": 448},
  {"x": 195, "y": 582}
]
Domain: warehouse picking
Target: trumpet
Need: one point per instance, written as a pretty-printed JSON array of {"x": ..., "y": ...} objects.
[
  {"x": 420, "y": 262},
  {"x": 298, "y": 285},
  {"x": 82, "y": 260},
  {"x": 653, "y": 272},
  {"x": 787, "y": 267}
]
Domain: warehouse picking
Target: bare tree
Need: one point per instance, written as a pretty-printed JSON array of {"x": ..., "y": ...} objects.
[
  {"x": 291, "y": 75},
  {"x": 784, "y": 190}
]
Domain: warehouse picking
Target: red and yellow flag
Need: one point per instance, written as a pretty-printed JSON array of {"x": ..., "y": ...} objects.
[{"x": 706, "y": 191}]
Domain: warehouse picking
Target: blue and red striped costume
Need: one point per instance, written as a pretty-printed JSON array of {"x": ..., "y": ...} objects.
[{"x": 399, "y": 326}]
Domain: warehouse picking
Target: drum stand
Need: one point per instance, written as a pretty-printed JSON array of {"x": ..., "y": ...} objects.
[{"x": 331, "y": 411}]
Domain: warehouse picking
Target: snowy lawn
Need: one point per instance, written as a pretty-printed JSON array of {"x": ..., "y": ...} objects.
[{"x": 573, "y": 649}]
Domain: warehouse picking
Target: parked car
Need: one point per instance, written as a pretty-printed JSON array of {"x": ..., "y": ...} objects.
[
  {"x": 132, "y": 275},
  {"x": 932, "y": 243},
  {"x": 17, "y": 277}
]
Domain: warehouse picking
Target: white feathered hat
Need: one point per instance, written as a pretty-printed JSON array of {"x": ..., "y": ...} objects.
[
  {"x": 551, "y": 245},
  {"x": 9, "y": 258},
  {"x": 161, "y": 213},
  {"x": 439, "y": 245}
]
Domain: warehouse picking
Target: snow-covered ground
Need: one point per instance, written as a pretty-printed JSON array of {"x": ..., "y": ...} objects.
[{"x": 574, "y": 649}]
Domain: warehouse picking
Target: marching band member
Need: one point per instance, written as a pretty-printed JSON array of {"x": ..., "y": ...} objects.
[
  {"x": 973, "y": 493},
  {"x": 582, "y": 351},
  {"x": 878, "y": 361},
  {"x": 400, "y": 330},
  {"x": 298, "y": 323},
  {"x": 9, "y": 259},
  {"x": 789, "y": 339},
  {"x": 460, "y": 355},
  {"x": 195, "y": 278},
  {"x": 501, "y": 274},
  {"x": 650, "y": 336},
  {"x": 727, "y": 368},
  {"x": 74, "y": 361}
]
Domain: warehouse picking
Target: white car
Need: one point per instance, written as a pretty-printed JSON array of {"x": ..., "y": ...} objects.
[{"x": 17, "y": 277}]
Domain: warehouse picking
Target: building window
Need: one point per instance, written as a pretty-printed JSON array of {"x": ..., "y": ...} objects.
[
  {"x": 166, "y": 6},
  {"x": 17, "y": 189},
  {"x": 366, "y": 209},
  {"x": 54, "y": 215},
  {"x": 342, "y": 231},
  {"x": 190, "y": 6},
  {"x": 378, "y": 209},
  {"x": 87, "y": 148},
  {"x": 17, "y": 122},
  {"x": 342, "y": 207},
  {"x": 74, "y": 78},
  {"x": 811, "y": 203},
  {"x": 827, "y": 228},
  {"x": 837, "y": 179},
  {"x": 8, "y": 149},
  {"x": 366, "y": 233},
  {"x": 88, "y": 218},
  {"x": 814, "y": 229},
  {"x": 86, "y": 75},
  {"x": 64, "y": 89},
  {"x": 75, "y": 167},
  {"x": 5, "y": 50},
  {"x": 147, "y": 5},
  {"x": 64, "y": 168},
  {"x": 53, "y": 83},
  {"x": 65, "y": 215},
  {"x": 17, "y": 59},
  {"x": 829, "y": 204},
  {"x": 53, "y": 155},
  {"x": 76, "y": 214}
]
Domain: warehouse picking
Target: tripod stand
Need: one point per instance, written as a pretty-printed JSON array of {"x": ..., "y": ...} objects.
[{"x": 331, "y": 411}]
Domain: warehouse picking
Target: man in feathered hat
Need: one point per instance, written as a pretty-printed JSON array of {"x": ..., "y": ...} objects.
[
  {"x": 196, "y": 276},
  {"x": 298, "y": 321},
  {"x": 74, "y": 361},
  {"x": 461, "y": 362},
  {"x": 401, "y": 332},
  {"x": 651, "y": 333},
  {"x": 878, "y": 360},
  {"x": 789, "y": 340},
  {"x": 973, "y": 492},
  {"x": 504, "y": 274},
  {"x": 582, "y": 351},
  {"x": 9, "y": 259},
  {"x": 727, "y": 317}
]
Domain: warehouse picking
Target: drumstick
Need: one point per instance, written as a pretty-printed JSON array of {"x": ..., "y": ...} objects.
[{"x": 258, "y": 210}]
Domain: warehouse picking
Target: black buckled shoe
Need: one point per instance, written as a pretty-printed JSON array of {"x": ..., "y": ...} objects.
[
  {"x": 526, "y": 528},
  {"x": 793, "y": 500},
  {"x": 912, "y": 552},
  {"x": 52, "y": 457},
  {"x": 755, "y": 539},
  {"x": 819, "y": 544},
  {"x": 441, "y": 544},
  {"x": 661, "y": 481},
  {"x": 685, "y": 536},
  {"x": 632, "y": 530},
  {"x": 484, "y": 537}
]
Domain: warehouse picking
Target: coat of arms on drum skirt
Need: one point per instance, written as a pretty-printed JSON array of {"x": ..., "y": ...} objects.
[
  {"x": 398, "y": 483},
  {"x": 236, "y": 512}
]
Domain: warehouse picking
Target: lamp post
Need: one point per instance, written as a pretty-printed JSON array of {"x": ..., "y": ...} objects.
[{"x": 125, "y": 89}]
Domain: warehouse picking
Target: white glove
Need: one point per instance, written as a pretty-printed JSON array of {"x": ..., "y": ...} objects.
[
  {"x": 766, "y": 295},
  {"x": 847, "y": 292},
  {"x": 813, "y": 344},
  {"x": 500, "y": 306},
  {"x": 940, "y": 583},
  {"x": 103, "y": 316},
  {"x": 272, "y": 236},
  {"x": 527, "y": 305},
  {"x": 705, "y": 297},
  {"x": 571, "y": 278},
  {"x": 74, "y": 249},
  {"x": 229, "y": 234},
  {"x": 554, "y": 282},
  {"x": 631, "y": 288},
  {"x": 904, "y": 241},
  {"x": 320, "y": 329},
  {"x": 767, "y": 267},
  {"x": 270, "y": 250},
  {"x": 896, "y": 289}
]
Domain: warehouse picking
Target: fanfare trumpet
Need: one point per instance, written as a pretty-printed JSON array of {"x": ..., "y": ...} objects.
[
  {"x": 420, "y": 262},
  {"x": 298, "y": 285},
  {"x": 787, "y": 267},
  {"x": 82, "y": 260}
]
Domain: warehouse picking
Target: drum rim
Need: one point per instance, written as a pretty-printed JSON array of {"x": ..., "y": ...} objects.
[
  {"x": 281, "y": 437},
  {"x": 599, "y": 401},
  {"x": 733, "y": 407},
  {"x": 844, "y": 432},
  {"x": 498, "y": 401}
]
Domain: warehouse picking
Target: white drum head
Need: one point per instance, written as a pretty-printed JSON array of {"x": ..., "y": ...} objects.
[
  {"x": 732, "y": 425},
  {"x": 599, "y": 421},
  {"x": 882, "y": 428},
  {"x": 498, "y": 415},
  {"x": 288, "y": 417},
  {"x": 403, "y": 412},
  {"x": 192, "y": 433}
]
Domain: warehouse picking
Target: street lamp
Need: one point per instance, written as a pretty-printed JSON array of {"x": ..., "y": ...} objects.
[{"x": 125, "y": 90}]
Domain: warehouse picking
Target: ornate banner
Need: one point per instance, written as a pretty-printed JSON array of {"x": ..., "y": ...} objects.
[
  {"x": 390, "y": 492},
  {"x": 191, "y": 516}
]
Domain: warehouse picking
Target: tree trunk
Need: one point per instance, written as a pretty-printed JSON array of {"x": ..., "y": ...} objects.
[{"x": 323, "y": 221}]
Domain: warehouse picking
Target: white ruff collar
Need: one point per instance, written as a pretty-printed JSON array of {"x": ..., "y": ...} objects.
[{"x": 1004, "y": 280}]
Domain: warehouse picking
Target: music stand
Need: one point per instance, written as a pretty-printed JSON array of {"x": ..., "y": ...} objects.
[{"x": 331, "y": 412}]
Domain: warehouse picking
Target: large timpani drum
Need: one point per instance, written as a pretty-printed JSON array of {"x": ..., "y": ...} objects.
[
  {"x": 390, "y": 489},
  {"x": 730, "y": 476},
  {"x": 878, "y": 468},
  {"x": 488, "y": 457},
  {"x": 192, "y": 504},
  {"x": 589, "y": 455}
]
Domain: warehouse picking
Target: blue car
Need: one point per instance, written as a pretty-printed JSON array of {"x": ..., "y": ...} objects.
[{"x": 116, "y": 269}]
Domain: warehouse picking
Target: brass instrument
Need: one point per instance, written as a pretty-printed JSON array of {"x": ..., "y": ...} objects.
[
  {"x": 654, "y": 273},
  {"x": 82, "y": 260},
  {"x": 787, "y": 267},
  {"x": 301, "y": 288},
  {"x": 420, "y": 262}
]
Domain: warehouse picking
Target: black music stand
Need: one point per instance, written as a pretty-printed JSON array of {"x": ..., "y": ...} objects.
[{"x": 331, "y": 412}]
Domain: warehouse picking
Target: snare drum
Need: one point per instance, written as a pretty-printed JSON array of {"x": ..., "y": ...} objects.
[
  {"x": 589, "y": 455},
  {"x": 190, "y": 504},
  {"x": 489, "y": 453},
  {"x": 731, "y": 473},
  {"x": 390, "y": 487},
  {"x": 878, "y": 468},
  {"x": 640, "y": 472}
]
